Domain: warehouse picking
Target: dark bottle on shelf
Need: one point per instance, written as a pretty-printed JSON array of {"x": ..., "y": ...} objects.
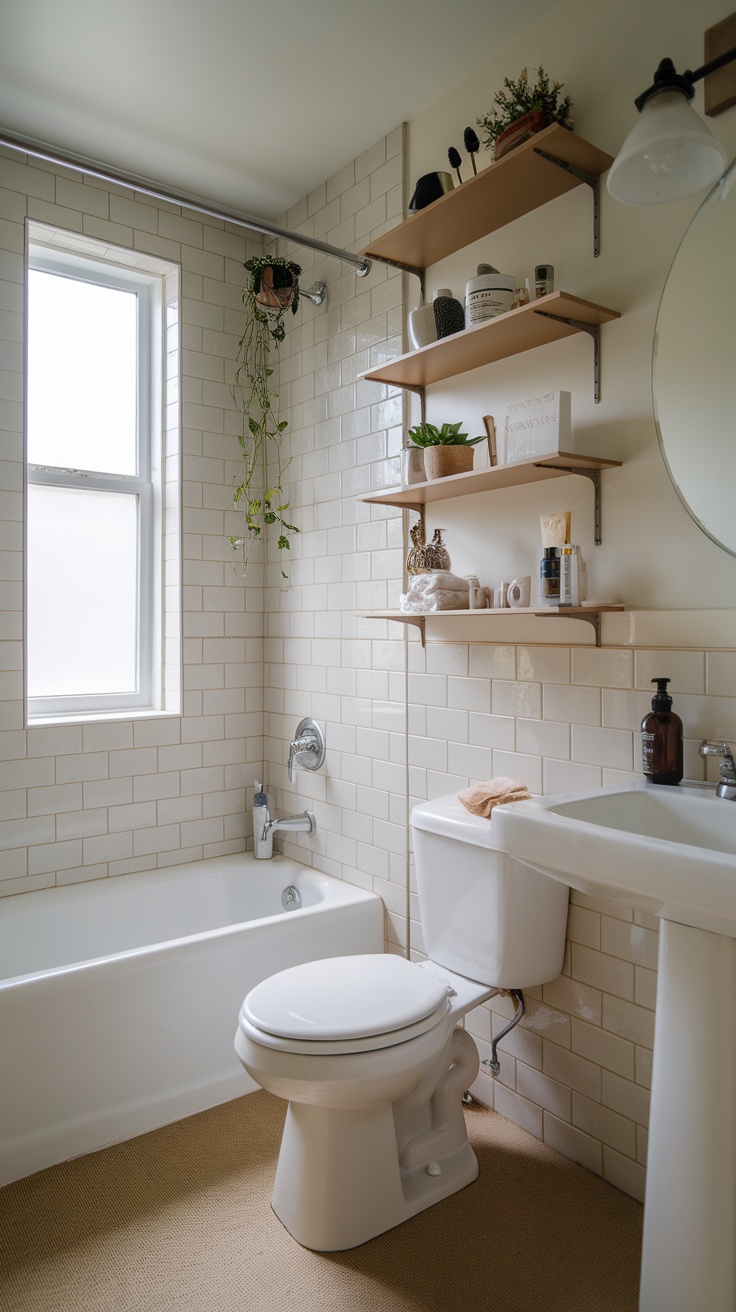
[{"x": 661, "y": 739}]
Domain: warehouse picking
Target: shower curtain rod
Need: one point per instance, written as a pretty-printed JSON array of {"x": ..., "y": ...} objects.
[{"x": 40, "y": 150}]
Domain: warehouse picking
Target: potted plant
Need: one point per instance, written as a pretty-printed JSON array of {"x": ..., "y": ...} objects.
[
  {"x": 446, "y": 449},
  {"x": 273, "y": 289},
  {"x": 521, "y": 109}
]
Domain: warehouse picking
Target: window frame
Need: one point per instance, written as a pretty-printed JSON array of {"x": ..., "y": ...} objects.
[{"x": 145, "y": 486}]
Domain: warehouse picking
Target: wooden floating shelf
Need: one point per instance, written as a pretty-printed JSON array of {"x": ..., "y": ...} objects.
[
  {"x": 557, "y": 465},
  {"x": 519, "y": 183},
  {"x": 536, "y": 324}
]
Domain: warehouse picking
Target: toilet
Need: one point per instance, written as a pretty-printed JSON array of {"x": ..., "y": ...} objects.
[{"x": 367, "y": 1050}]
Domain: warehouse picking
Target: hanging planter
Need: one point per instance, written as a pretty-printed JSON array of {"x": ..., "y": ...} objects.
[{"x": 273, "y": 290}]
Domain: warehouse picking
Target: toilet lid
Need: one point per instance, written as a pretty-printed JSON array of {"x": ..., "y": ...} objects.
[{"x": 344, "y": 997}]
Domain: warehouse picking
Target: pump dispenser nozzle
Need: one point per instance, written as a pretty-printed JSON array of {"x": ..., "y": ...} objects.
[{"x": 661, "y": 701}]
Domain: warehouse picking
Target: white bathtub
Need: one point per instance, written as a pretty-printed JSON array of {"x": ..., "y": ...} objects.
[{"x": 119, "y": 998}]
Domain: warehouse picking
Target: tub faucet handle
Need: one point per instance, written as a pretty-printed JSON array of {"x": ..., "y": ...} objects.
[{"x": 307, "y": 749}]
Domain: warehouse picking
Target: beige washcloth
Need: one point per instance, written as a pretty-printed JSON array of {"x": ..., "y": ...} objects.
[{"x": 481, "y": 798}]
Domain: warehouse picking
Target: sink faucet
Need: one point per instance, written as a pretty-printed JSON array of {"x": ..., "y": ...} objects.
[
  {"x": 727, "y": 786},
  {"x": 264, "y": 829}
]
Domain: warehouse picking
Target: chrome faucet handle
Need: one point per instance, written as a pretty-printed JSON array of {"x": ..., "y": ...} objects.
[
  {"x": 727, "y": 787},
  {"x": 722, "y": 749},
  {"x": 307, "y": 748}
]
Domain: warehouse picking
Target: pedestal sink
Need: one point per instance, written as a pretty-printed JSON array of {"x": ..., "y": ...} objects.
[{"x": 670, "y": 851}]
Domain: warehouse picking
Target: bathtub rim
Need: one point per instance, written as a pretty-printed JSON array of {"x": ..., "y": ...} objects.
[{"x": 162, "y": 947}]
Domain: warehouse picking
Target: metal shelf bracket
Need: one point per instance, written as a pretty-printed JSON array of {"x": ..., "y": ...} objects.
[
  {"x": 590, "y": 180},
  {"x": 594, "y": 619},
  {"x": 595, "y": 477},
  {"x": 593, "y": 330}
]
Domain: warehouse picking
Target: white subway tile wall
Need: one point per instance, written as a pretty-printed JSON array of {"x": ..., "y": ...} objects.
[
  {"x": 402, "y": 724},
  {"x": 81, "y": 802}
]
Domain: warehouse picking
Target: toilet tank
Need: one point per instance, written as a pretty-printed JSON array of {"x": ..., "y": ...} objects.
[{"x": 484, "y": 914}]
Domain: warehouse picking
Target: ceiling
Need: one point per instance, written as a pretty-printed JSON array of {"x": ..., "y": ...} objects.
[{"x": 251, "y": 103}]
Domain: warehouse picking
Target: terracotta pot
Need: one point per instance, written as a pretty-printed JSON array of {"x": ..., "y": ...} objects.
[
  {"x": 519, "y": 131},
  {"x": 440, "y": 461}
]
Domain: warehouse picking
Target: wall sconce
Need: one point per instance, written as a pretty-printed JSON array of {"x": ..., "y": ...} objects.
[{"x": 670, "y": 152}]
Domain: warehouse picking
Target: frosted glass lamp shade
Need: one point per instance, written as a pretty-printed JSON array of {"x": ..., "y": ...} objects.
[{"x": 669, "y": 153}]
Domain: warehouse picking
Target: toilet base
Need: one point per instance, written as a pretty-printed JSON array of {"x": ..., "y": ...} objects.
[
  {"x": 339, "y": 1182},
  {"x": 347, "y": 1175}
]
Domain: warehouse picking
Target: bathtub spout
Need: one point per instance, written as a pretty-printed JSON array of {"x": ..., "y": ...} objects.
[{"x": 263, "y": 841}]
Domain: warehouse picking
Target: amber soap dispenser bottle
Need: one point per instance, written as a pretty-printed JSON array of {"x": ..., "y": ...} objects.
[{"x": 661, "y": 739}]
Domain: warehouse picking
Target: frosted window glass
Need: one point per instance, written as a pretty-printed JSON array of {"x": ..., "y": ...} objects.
[
  {"x": 82, "y": 592},
  {"x": 82, "y": 375}
]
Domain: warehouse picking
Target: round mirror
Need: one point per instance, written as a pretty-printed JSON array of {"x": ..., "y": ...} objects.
[{"x": 694, "y": 367}]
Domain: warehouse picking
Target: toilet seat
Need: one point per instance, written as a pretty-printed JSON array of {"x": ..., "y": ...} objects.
[{"x": 344, "y": 1004}]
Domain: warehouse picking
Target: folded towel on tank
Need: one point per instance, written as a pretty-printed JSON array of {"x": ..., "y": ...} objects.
[{"x": 481, "y": 798}]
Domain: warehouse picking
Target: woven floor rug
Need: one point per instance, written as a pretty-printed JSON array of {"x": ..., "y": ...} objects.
[{"x": 179, "y": 1220}]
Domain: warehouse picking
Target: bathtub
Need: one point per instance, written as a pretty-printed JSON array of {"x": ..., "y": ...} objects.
[{"x": 119, "y": 998}]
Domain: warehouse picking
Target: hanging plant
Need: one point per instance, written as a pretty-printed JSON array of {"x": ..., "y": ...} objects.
[
  {"x": 516, "y": 99},
  {"x": 274, "y": 289}
]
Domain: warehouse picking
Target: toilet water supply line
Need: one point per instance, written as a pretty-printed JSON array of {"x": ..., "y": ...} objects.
[{"x": 492, "y": 1061}]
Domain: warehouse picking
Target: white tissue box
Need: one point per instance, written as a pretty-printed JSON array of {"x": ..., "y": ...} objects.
[{"x": 538, "y": 427}]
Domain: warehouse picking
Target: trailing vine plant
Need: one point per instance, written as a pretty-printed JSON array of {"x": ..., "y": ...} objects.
[{"x": 274, "y": 288}]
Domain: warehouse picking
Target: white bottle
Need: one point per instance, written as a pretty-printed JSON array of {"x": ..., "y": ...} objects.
[{"x": 422, "y": 326}]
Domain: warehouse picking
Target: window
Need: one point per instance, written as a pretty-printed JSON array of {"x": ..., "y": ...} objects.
[{"x": 95, "y": 508}]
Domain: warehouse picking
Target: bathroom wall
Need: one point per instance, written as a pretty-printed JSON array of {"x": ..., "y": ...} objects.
[
  {"x": 343, "y": 438},
  {"x": 535, "y": 700},
  {"x": 84, "y": 801},
  {"x": 402, "y": 724}
]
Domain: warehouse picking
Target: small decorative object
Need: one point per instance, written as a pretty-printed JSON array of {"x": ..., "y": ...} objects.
[
  {"x": 544, "y": 280},
  {"x": 538, "y": 427},
  {"x": 435, "y": 555},
  {"x": 412, "y": 466},
  {"x": 487, "y": 295},
  {"x": 521, "y": 109},
  {"x": 428, "y": 189},
  {"x": 500, "y": 597},
  {"x": 416, "y": 533},
  {"x": 424, "y": 557},
  {"x": 449, "y": 315},
  {"x": 490, "y": 427},
  {"x": 446, "y": 450},
  {"x": 422, "y": 325},
  {"x": 521, "y": 295},
  {"x": 274, "y": 288},
  {"x": 472, "y": 145},
  {"x": 454, "y": 157},
  {"x": 519, "y": 591}
]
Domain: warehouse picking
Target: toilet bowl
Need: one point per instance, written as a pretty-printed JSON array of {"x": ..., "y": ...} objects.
[{"x": 367, "y": 1051}]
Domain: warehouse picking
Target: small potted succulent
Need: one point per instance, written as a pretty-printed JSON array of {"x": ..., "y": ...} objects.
[
  {"x": 446, "y": 449},
  {"x": 522, "y": 109}
]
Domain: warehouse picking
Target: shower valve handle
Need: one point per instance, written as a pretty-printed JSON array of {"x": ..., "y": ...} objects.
[{"x": 307, "y": 749}]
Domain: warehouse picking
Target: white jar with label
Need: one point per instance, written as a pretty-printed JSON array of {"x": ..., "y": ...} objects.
[{"x": 488, "y": 294}]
